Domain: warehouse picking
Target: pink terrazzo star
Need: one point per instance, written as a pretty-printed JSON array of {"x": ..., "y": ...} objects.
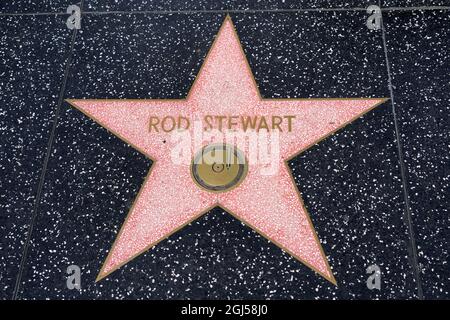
[{"x": 169, "y": 198}]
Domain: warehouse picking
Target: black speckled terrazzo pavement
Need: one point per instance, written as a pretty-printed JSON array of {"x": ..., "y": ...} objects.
[{"x": 377, "y": 191}]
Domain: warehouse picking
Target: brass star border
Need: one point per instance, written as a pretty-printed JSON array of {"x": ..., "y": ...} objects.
[{"x": 198, "y": 215}]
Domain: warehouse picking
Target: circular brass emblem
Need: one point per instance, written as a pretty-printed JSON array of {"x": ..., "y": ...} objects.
[{"x": 219, "y": 167}]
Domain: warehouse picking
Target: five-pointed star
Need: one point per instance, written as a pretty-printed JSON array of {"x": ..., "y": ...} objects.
[{"x": 169, "y": 198}]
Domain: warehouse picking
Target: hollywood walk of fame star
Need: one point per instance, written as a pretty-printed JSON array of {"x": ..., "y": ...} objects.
[{"x": 170, "y": 197}]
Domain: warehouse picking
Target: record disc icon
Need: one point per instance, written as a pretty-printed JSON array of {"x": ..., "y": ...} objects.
[{"x": 219, "y": 167}]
